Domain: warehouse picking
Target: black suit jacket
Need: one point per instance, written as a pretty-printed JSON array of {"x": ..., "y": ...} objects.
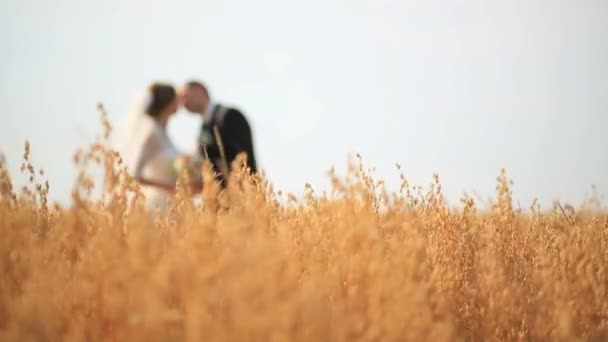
[{"x": 236, "y": 137}]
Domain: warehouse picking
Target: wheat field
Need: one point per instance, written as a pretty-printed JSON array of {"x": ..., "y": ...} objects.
[{"x": 253, "y": 264}]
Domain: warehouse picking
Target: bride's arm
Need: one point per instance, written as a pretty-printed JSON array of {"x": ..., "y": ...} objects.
[
  {"x": 165, "y": 186},
  {"x": 195, "y": 186}
]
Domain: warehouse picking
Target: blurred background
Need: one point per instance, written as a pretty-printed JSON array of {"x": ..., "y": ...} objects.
[{"x": 460, "y": 88}]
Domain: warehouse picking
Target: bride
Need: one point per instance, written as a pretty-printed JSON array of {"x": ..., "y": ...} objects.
[{"x": 146, "y": 148}]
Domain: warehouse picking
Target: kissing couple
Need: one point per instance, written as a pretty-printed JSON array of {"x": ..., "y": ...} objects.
[{"x": 152, "y": 158}]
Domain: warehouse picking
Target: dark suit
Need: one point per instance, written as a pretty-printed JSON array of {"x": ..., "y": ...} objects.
[{"x": 236, "y": 137}]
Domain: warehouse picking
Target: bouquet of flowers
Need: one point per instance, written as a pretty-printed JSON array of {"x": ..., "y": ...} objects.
[{"x": 191, "y": 164}]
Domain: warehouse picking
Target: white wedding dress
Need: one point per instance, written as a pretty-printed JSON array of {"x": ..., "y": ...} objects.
[
  {"x": 156, "y": 164},
  {"x": 149, "y": 154}
]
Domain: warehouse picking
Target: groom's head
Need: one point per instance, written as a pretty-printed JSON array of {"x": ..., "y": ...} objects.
[{"x": 195, "y": 97}]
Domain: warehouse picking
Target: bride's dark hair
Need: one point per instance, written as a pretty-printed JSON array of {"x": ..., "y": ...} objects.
[{"x": 161, "y": 95}]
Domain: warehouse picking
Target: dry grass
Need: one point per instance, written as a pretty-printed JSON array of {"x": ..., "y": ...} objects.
[{"x": 356, "y": 264}]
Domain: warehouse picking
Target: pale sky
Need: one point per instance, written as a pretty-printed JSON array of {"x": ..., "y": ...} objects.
[{"x": 461, "y": 88}]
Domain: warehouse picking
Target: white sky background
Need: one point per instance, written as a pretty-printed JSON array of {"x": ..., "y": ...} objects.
[{"x": 461, "y": 88}]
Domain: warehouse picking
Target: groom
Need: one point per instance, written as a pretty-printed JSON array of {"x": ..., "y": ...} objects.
[{"x": 226, "y": 123}]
